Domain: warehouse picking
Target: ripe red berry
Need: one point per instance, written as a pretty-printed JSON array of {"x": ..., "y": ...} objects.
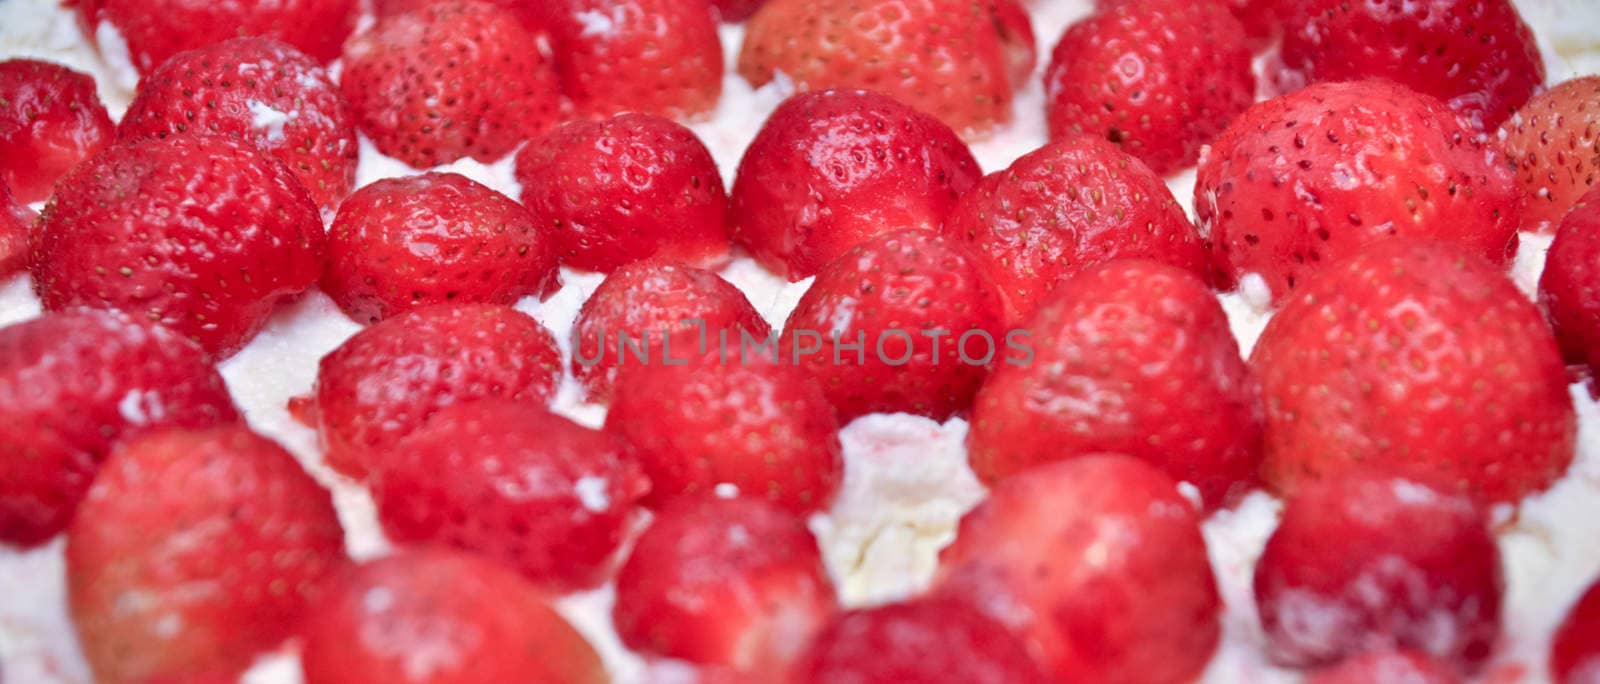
[
  {"x": 1569, "y": 287},
  {"x": 1386, "y": 667},
  {"x": 155, "y": 30},
  {"x": 1554, "y": 141},
  {"x": 659, "y": 57},
  {"x": 1575, "y": 650},
  {"x": 50, "y": 119},
  {"x": 923, "y": 641},
  {"x": 16, "y": 223}
]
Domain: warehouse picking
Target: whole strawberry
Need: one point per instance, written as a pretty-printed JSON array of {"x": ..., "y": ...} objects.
[
  {"x": 1421, "y": 358},
  {"x": 194, "y": 552},
  {"x": 256, "y": 89},
  {"x": 1554, "y": 141},
  {"x": 1569, "y": 286},
  {"x": 830, "y": 169},
  {"x": 1159, "y": 78},
  {"x": 448, "y": 80},
  {"x": 1069, "y": 205},
  {"x": 1476, "y": 55},
  {"x": 631, "y": 187},
  {"x": 925, "y": 640},
  {"x": 1132, "y": 357},
  {"x": 441, "y": 617},
  {"x": 387, "y": 380},
  {"x": 1371, "y": 562},
  {"x": 958, "y": 60},
  {"x": 403, "y": 243},
  {"x": 1575, "y": 649},
  {"x": 74, "y": 383},
  {"x": 658, "y": 57},
  {"x": 50, "y": 119},
  {"x": 202, "y": 233},
  {"x": 155, "y": 30},
  {"x": 1311, "y": 178},
  {"x": 904, "y": 322},
  {"x": 1098, "y": 564},
  {"x": 1387, "y": 667},
  {"x": 16, "y": 224},
  {"x": 542, "y": 494},
  {"x": 732, "y": 582}
]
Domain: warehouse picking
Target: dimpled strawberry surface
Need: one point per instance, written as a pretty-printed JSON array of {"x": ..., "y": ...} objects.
[{"x": 895, "y": 497}]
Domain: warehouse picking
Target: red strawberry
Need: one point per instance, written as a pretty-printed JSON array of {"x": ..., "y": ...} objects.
[
  {"x": 546, "y": 496},
  {"x": 1421, "y": 358},
  {"x": 1370, "y": 562},
  {"x": 1387, "y": 667},
  {"x": 16, "y": 223},
  {"x": 50, "y": 119},
  {"x": 955, "y": 59},
  {"x": 74, "y": 383},
  {"x": 624, "y": 189},
  {"x": 1476, "y": 55},
  {"x": 201, "y": 233},
  {"x": 1311, "y": 178},
  {"x": 652, "y": 312},
  {"x": 1575, "y": 650},
  {"x": 155, "y": 30},
  {"x": 386, "y": 381},
  {"x": 449, "y": 80},
  {"x": 923, "y": 641},
  {"x": 830, "y": 169},
  {"x": 736, "y": 10},
  {"x": 260, "y": 90},
  {"x": 740, "y": 419},
  {"x": 438, "y": 617},
  {"x": 1069, "y": 205},
  {"x": 1569, "y": 287},
  {"x": 403, "y": 243},
  {"x": 195, "y": 551},
  {"x": 1554, "y": 140},
  {"x": 904, "y": 322},
  {"x": 652, "y": 56},
  {"x": 1132, "y": 357},
  {"x": 733, "y": 582},
  {"x": 1159, "y": 78},
  {"x": 1262, "y": 19},
  {"x": 1099, "y": 564}
]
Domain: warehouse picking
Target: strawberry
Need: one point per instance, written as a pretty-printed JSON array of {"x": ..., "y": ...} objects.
[
  {"x": 195, "y": 551},
  {"x": 1554, "y": 140},
  {"x": 74, "y": 383},
  {"x": 736, "y": 10},
  {"x": 50, "y": 119},
  {"x": 1069, "y": 205},
  {"x": 260, "y": 90},
  {"x": 544, "y": 495},
  {"x": 1262, "y": 19},
  {"x": 958, "y": 60},
  {"x": 1422, "y": 358},
  {"x": 1099, "y": 564},
  {"x": 1569, "y": 287},
  {"x": 1311, "y": 178},
  {"x": 449, "y": 80},
  {"x": 155, "y": 30},
  {"x": 627, "y": 188},
  {"x": 1575, "y": 649},
  {"x": 1133, "y": 357},
  {"x": 1476, "y": 55},
  {"x": 904, "y": 322},
  {"x": 830, "y": 169},
  {"x": 651, "y": 312},
  {"x": 740, "y": 418},
  {"x": 204, "y": 234},
  {"x": 1158, "y": 78},
  {"x": 922, "y": 641},
  {"x": 403, "y": 243},
  {"x": 16, "y": 222},
  {"x": 1413, "y": 567},
  {"x": 387, "y": 380},
  {"x": 439, "y": 617},
  {"x": 534, "y": 15},
  {"x": 653, "y": 56},
  {"x": 733, "y": 582},
  {"x": 1387, "y": 667}
]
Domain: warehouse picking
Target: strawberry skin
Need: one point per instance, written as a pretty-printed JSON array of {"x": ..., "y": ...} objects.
[
  {"x": 16, "y": 223},
  {"x": 1423, "y": 358},
  {"x": 1575, "y": 650},
  {"x": 627, "y": 188},
  {"x": 256, "y": 89},
  {"x": 658, "y": 57},
  {"x": 1554, "y": 141},
  {"x": 542, "y": 494},
  {"x": 732, "y": 582},
  {"x": 1069, "y": 205},
  {"x": 404, "y": 243},
  {"x": 204, "y": 234},
  {"x": 50, "y": 119},
  {"x": 736, "y": 10},
  {"x": 1159, "y": 78},
  {"x": 1386, "y": 667},
  {"x": 1308, "y": 179},
  {"x": 449, "y": 80},
  {"x": 195, "y": 551},
  {"x": 1569, "y": 287},
  {"x": 1132, "y": 357},
  {"x": 155, "y": 30},
  {"x": 74, "y": 383},
  {"x": 830, "y": 169},
  {"x": 441, "y": 617},
  {"x": 926, "y": 640}
]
